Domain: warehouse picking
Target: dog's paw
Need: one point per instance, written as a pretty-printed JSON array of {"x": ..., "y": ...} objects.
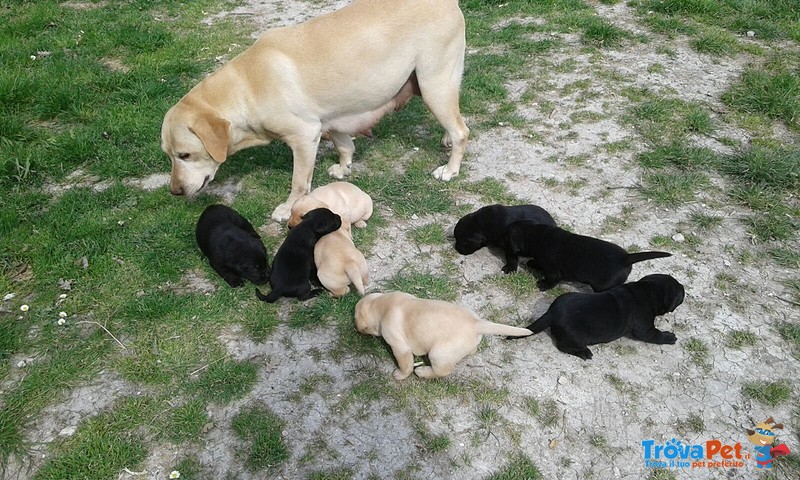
[
  {"x": 668, "y": 338},
  {"x": 399, "y": 375},
  {"x": 508, "y": 269},
  {"x": 446, "y": 142},
  {"x": 235, "y": 282},
  {"x": 282, "y": 212},
  {"x": 444, "y": 174},
  {"x": 338, "y": 171},
  {"x": 360, "y": 224}
]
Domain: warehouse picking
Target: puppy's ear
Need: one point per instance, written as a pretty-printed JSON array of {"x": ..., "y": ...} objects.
[
  {"x": 675, "y": 295},
  {"x": 215, "y": 134},
  {"x": 327, "y": 223}
]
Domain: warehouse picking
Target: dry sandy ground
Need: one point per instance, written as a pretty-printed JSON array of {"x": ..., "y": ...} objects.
[{"x": 606, "y": 407}]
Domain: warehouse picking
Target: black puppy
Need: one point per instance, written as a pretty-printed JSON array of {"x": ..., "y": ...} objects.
[
  {"x": 487, "y": 225},
  {"x": 232, "y": 246},
  {"x": 562, "y": 255},
  {"x": 580, "y": 319},
  {"x": 293, "y": 266}
]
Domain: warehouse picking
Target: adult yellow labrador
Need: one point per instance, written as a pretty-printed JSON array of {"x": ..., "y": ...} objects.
[
  {"x": 336, "y": 74},
  {"x": 443, "y": 331}
]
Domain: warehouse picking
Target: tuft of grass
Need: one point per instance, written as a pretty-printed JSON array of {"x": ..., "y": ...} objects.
[
  {"x": 704, "y": 221},
  {"x": 225, "y": 381},
  {"x": 186, "y": 422},
  {"x": 739, "y": 339},
  {"x": 692, "y": 424},
  {"x": 520, "y": 467},
  {"x": 771, "y": 90},
  {"x": 715, "y": 42},
  {"x": 672, "y": 188},
  {"x": 261, "y": 429},
  {"x": 430, "y": 234},
  {"x": 785, "y": 257},
  {"x": 791, "y": 333},
  {"x": 698, "y": 351},
  {"x": 770, "y": 393},
  {"x": 191, "y": 468},
  {"x": 423, "y": 285},
  {"x": 662, "y": 474},
  {"x": 548, "y": 414},
  {"x": 338, "y": 474}
]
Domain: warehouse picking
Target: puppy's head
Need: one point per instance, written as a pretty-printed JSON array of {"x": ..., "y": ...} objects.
[
  {"x": 256, "y": 270},
  {"x": 196, "y": 140},
  {"x": 469, "y": 237},
  {"x": 323, "y": 221},
  {"x": 301, "y": 207},
  {"x": 367, "y": 323},
  {"x": 670, "y": 292}
]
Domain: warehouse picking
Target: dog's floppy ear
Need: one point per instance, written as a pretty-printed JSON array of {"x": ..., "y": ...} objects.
[
  {"x": 325, "y": 221},
  {"x": 675, "y": 294},
  {"x": 215, "y": 134}
]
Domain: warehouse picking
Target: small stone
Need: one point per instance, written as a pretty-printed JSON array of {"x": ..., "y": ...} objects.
[
  {"x": 678, "y": 237},
  {"x": 68, "y": 431},
  {"x": 751, "y": 33}
]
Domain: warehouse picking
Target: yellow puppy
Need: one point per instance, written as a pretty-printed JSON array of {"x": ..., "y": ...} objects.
[
  {"x": 339, "y": 263},
  {"x": 342, "y": 198},
  {"x": 443, "y": 331}
]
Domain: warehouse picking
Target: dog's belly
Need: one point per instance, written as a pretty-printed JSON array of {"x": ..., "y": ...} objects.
[{"x": 363, "y": 122}]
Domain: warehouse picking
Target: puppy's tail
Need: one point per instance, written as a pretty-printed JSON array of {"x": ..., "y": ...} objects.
[
  {"x": 272, "y": 297},
  {"x": 642, "y": 256},
  {"x": 358, "y": 280},
  {"x": 490, "y": 328},
  {"x": 540, "y": 325}
]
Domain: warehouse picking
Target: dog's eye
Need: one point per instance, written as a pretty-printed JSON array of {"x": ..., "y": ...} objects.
[{"x": 184, "y": 156}]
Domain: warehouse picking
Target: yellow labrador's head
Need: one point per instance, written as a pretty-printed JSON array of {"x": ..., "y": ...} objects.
[
  {"x": 366, "y": 321},
  {"x": 301, "y": 206},
  {"x": 196, "y": 140}
]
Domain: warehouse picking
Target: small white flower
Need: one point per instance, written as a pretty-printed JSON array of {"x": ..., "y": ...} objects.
[
  {"x": 24, "y": 308},
  {"x": 62, "y": 314},
  {"x": 174, "y": 474},
  {"x": 9, "y": 296},
  {"x": 62, "y": 321},
  {"x": 62, "y": 296}
]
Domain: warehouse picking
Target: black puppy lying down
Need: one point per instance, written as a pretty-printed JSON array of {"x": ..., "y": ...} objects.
[
  {"x": 580, "y": 319},
  {"x": 487, "y": 225},
  {"x": 232, "y": 246},
  {"x": 562, "y": 255},
  {"x": 293, "y": 267}
]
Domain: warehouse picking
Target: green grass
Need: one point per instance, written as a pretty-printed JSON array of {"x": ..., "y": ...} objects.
[
  {"x": 261, "y": 430},
  {"x": 225, "y": 381},
  {"x": 430, "y": 234},
  {"x": 739, "y": 339},
  {"x": 770, "y": 394},
  {"x": 519, "y": 468}
]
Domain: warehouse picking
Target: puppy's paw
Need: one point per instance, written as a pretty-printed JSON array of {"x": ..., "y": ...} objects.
[
  {"x": 282, "y": 211},
  {"x": 338, "y": 171},
  {"x": 668, "y": 338},
  {"x": 444, "y": 174},
  {"x": 507, "y": 269},
  {"x": 546, "y": 284},
  {"x": 360, "y": 224},
  {"x": 399, "y": 375},
  {"x": 235, "y": 282}
]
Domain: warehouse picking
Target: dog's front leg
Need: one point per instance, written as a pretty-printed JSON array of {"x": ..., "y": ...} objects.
[
  {"x": 345, "y": 146},
  {"x": 304, "y": 154},
  {"x": 405, "y": 363},
  {"x": 512, "y": 262}
]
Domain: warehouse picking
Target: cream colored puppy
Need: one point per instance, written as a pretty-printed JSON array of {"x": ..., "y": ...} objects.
[
  {"x": 443, "y": 331},
  {"x": 342, "y": 198},
  {"x": 337, "y": 75},
  {"x": 339, "y": 263}
]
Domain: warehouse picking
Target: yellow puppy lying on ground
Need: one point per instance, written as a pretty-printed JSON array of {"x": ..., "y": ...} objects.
[
  {"x": 339, "y": 263},
  {"x": 342, "y": 198},
  {"x": 443, "y": 331}
]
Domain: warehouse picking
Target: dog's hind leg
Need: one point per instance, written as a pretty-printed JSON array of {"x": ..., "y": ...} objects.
[
  {"x": 436, "y": 370},
  {"x": 439, "y": 84},
  {"x": 344, "y": 145}
]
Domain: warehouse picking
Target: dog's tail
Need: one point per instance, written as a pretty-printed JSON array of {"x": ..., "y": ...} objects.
[
  {"x": 642, "y": 256},
  {"x": 358, "y": 280},
  {"x": 538, "y": 326},
  {"x": 490, "y": 328},
  {"x": 272, "y": 297}
]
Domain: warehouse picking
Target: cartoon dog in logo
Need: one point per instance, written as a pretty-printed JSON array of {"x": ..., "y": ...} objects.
[{"x": 763, "y": 437}]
